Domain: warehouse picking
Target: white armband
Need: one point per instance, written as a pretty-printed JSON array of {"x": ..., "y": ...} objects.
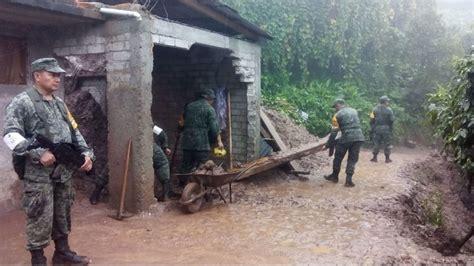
[
  {"x": 157, "y": 130},
  {"x": 13, "y": 139}
]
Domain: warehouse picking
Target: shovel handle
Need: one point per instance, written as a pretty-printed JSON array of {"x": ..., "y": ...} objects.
[{"x": 125, "y": 178}]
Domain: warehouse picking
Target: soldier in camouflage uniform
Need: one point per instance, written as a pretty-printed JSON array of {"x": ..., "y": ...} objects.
[
  {"x": 381, "y": 122},
  {"x": 161, "y": 165},
  {"x": 201, "y": 130},
  {"x": 48, "y": 191},
  {"x": 346, "y": 120}
]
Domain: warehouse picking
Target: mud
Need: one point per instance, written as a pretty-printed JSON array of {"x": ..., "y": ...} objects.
[
  {"x": 274, "y": 219},
  {"x": 437, "y": 211}
]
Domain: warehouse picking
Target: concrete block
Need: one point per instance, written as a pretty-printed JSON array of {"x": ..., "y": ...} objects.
[
  {"x": 121, "y": 37},
  {"x": 96, "y": 48},
  {"x": 89, "y": 39},
  {"x": 62, "y": 51},
  {"x": 100, "y": 39},
  {"x": 70, "y": 42},
  {"x": 78, "y": 50},
  {"x": 116, "y": 46},
  {"x": 121, "y": 56},
  {"x": 118, "y": 66}
]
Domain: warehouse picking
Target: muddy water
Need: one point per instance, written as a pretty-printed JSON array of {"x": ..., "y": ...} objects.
[{"x": 273, "y": 220}]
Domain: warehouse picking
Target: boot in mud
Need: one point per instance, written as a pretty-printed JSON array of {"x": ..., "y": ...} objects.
[
  {"x": 387, "y": 159},
  {"x": 38, "y": 258},
  {"x": 332, "y": 177},
  {"x": 95, "y": 196},
  {"x": 374, "y": 159},
  {"x": 349, "y": 182},
  {"x": 63, "y": 255},
  {"x": 167, "y": 192}
]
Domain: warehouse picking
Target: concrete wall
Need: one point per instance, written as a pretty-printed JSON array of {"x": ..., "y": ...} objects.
[
  {"x": 178, "y": 74},
  {"x": 128, "y": 100},
  {"x": 246, "y": 61}
]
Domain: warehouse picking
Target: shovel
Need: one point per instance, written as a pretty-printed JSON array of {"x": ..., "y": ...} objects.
[{"x": 120, "y": 213}]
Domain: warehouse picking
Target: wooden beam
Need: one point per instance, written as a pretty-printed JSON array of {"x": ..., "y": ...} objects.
[
  {"x": 219, "y": 18},
  {"x": 283, "y": 157},
  {"x": 275, "y": 136}
]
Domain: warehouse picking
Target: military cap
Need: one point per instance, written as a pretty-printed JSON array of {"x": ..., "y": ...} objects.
[
  {"x": 46, "y": 64},
  {"x": 384, "y": 99},
  {"x": 207, "y": 93},
  {"x": 338, "y": 101}
]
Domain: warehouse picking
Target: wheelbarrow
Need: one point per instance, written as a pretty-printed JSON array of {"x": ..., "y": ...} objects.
[{"x": 200, "y": 187}]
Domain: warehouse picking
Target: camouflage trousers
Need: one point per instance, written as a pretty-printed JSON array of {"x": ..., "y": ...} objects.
[
  {"x": 353, "y": 148},
  {"x": 192, "y": 159},
  {"x": 161, "y": 168},
  {"x": 382, "y": 140},
  {"x": 48, "y": 212}
]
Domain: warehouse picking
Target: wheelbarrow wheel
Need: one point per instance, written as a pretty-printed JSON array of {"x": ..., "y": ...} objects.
[{"x": 190, "y": 191}]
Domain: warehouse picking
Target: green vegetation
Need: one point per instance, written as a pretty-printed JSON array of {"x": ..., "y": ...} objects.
[
  {"x": 356, "y": 49},
  {"x": 432, "y": 207},
  {"x": 452, "y": 113}
]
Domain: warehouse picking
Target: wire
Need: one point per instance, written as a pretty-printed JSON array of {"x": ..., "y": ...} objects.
[{"x": 166, "y": 11}]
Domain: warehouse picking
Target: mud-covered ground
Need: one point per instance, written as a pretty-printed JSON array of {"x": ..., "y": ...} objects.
[
  {"x": 277, "y": 218},
  {"x": 274, "y": 219}
]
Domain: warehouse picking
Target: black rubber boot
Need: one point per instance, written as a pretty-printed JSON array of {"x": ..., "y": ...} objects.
[
  {"x": 387, "y": 159},
  {"x": 38, "y": 258},
  {"x": 167, "y": 192},
  {"x": 63, "y": 255},
  {"x": 349, "y": 182},
  {"x": 95, "y": 196},
  {"x": 374, "y": 159},
  {"x": 332, "y": 177}
]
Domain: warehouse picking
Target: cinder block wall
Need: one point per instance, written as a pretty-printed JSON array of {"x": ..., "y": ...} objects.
[
  {"x": 128, "y": 99},
  {"x": 179, "y": 74}
]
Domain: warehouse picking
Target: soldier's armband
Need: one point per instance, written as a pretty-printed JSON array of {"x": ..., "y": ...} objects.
[{"x": 13, "y": 139}]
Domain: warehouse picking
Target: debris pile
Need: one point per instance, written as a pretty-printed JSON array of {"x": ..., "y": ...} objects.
[
  {"x": 210, "y": 168},
  {"x": 295, "y": 136}
]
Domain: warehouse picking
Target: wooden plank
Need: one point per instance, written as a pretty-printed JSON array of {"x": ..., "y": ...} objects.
[
  {"x": 284, "y": 157},
  {"x": 229, "y": 127},
  {"x": 275, "y": 136}
]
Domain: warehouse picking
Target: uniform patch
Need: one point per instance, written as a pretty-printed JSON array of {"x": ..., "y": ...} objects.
[{"x": 71, "y": 120}]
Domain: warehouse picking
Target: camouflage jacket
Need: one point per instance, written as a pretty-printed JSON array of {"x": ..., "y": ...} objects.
[
  {"x": 382, "y": 119},
  {"x": 160, "y": 144},
  {"x": 200, "y": 126},
  {"x": 21, "y": 117},
  {"x": 347, "y": 121}
]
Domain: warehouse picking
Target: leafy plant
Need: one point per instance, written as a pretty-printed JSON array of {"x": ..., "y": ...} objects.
[{"x": 452, "y": 113}]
